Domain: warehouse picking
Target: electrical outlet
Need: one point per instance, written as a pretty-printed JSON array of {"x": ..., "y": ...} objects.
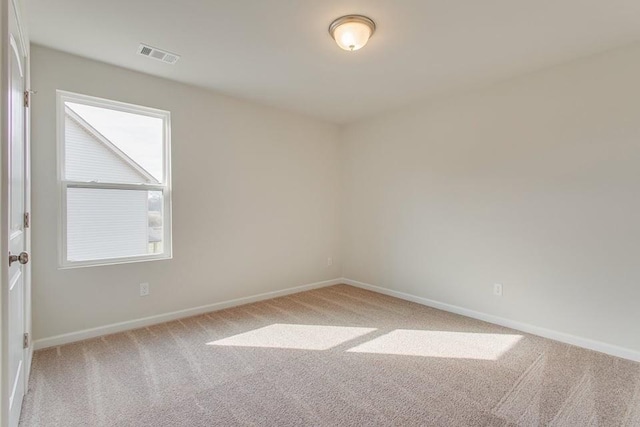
[
  {"x": 329, "y": 261},
  {"x": 497, "y": 289},
  {"x": 144, "y": 289}
]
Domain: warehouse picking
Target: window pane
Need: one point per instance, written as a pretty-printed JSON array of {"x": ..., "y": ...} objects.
[
  {"x": 106, "y": 145},
  {"x": 106, "y": 223}
]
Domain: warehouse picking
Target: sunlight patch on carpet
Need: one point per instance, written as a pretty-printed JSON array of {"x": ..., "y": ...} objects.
[
  {"x": 300, "y": 337},
  {"x": 444, "y": 344}
]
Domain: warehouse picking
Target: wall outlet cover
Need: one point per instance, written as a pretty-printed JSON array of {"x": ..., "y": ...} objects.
[
  {"x": 144, "y": 289},
  {"x": 497, "y": 289}
]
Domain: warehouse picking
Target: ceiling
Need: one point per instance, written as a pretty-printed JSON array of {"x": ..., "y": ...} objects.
[{"x": 278, "y": 52}]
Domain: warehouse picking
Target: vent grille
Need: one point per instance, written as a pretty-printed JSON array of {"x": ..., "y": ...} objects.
[
  {"x": 170, "y": 58},
  {"x": 159, "y": 54}
]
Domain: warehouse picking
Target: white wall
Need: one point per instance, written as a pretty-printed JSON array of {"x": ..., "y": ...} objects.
[
  {"x": 255, "y": 201},
  {"x": 533, "y": 183}
]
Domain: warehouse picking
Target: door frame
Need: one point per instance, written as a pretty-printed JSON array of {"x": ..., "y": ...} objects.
[{"x": 8, "y": 7}]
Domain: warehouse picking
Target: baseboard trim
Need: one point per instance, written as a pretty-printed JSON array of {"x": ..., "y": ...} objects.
[
  {"x": 174, "y": 315},
  {"x": 587, "y": 343}
]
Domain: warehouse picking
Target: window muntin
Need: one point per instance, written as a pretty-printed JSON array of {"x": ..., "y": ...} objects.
[{"x": 114, "y": 176}]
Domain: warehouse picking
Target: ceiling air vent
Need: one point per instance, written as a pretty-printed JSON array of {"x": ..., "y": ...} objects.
[{"x": 159, "y": 54}]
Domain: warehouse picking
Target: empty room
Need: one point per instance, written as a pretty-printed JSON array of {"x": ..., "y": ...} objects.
[{"x": 320, "y": 213}]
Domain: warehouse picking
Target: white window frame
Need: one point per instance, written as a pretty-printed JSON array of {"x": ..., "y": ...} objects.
[{"x": 61, "y": 98}]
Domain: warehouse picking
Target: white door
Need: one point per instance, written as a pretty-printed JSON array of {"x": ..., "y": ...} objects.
[{"x": 16, "y": 171}]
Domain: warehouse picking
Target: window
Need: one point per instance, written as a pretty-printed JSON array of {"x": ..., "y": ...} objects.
[{"x": 114, "y": 175}]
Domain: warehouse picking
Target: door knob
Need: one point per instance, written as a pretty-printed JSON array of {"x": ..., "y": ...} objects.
[{"x": 23, "y": 258}]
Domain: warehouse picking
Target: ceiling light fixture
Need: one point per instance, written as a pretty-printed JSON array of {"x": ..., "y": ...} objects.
[{"x": 352, "y": 32}]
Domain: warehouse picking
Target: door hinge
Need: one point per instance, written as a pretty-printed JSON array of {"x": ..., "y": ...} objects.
[
  {"x": 25, "y": 341},
  {"x": 27, "y": 97},
  {"x": 27, "y": 220}
]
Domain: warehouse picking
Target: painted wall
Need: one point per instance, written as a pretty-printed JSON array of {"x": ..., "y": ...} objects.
[
  {"x": 255, "y": 201},
  {"x": 533, "y": 183}
]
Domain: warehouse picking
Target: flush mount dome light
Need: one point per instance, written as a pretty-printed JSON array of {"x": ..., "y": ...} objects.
[{"x": 352, "y": 32}]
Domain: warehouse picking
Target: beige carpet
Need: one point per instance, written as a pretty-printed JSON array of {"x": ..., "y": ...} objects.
[{"x": 333, "y": 356}]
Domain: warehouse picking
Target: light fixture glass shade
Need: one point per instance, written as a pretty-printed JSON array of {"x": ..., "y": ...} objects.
[{"x": 352, "y": 32}]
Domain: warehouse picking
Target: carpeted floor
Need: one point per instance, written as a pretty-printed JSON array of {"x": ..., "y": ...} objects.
[{"x": 332, "y": 356}]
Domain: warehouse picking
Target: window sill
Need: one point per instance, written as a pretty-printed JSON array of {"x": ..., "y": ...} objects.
[{"x": 115, "y": 261}]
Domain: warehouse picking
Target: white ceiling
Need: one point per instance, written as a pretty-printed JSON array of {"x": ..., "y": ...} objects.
[{"x": 278, "y": 52}]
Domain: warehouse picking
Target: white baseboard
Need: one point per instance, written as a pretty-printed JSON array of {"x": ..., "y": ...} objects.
[
  {"x": 166, "y": 317},
  {"x": 587, "y": 343}
]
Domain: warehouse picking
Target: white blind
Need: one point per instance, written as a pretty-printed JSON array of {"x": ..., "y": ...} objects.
[
  {"x": 104, "y": 223},
  {"x": 114, "y": 180},
  {"x": 87, "y": 159}
]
